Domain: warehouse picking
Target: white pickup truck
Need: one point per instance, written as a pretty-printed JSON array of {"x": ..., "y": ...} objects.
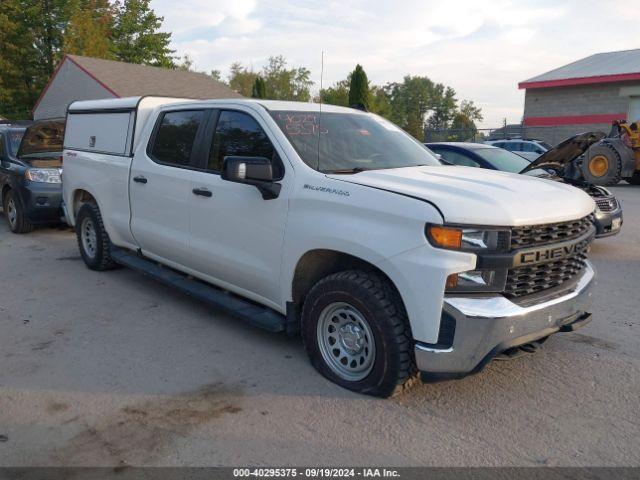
[{"x": 331, "y": 223}]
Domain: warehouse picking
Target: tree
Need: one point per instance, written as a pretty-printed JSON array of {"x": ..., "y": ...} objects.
[
  {"x": 359, "y": 88},
  {"x": 444, "y": 106},
  {"x": 338, "y": 94},
  {"x": 379, "y": 101},
  {"x": 30, "y": 46},
  {"x": 409, "y": 103},
  {"x": 89, "y": 30},
  {"x": 259, "y": 88},
  {"x": 136, "y": 37},
  {"x": 241, "y": 79},
  {"x": 463, "y": 127},
  {"x": 283, "y": 83},
  {"x": 216, "y": 75},
  {"x": 186, "y": 64}
]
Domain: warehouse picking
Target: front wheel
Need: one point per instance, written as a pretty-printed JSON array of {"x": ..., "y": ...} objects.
[
  {"x": 356, "y": 333},
  {"x": 16, "y": 216},
  {"x": 93, "y": 240}
]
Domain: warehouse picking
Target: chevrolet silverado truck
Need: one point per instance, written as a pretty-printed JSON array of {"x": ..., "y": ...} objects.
[{"x": 329, "y": 223}]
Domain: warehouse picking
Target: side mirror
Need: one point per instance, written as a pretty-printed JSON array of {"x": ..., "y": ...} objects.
[{"x": 256, "y": 171}]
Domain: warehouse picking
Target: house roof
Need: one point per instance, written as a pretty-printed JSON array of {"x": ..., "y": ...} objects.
[
  {"x": 599, "y": 68},
  {"x": 130, "y": 79}
]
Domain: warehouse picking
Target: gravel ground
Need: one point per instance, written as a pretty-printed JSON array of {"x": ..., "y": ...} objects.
[{"x": 113, "y": 368}]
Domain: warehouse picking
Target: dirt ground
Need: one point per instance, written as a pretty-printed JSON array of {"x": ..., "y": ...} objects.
[{"x": 113, "y": 368}]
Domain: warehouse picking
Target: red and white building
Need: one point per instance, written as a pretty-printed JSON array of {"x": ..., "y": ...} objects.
[{"x": 584, "y": 95}]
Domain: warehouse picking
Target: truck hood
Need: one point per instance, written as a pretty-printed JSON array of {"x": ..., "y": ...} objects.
[
  {"x": 560, "y": 156},
  {"x": 476, "y": 196}
]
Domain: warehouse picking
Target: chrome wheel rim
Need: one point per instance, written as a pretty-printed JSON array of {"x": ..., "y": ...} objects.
[
  {"x": 346, "y": 341},
  {"x": 89, "y": 237},
  {"x": 12, "y": 212}
]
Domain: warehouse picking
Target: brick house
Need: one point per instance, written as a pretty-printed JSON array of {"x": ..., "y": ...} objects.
[
  {"x": 87, "y": 78},
  {"x": 584, "y": 95}
]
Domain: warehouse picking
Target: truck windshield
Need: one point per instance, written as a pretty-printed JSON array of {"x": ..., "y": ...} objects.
[{"x": 350, "y": 142}]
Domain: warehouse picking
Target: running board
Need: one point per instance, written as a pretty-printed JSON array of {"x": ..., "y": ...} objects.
[{"x": 254, "y": 314}]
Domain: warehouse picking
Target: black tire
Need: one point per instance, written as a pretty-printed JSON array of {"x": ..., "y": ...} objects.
[
  {"x": 599, "y": 153},
  {"x": 376, "y": 300},
  {"x": 635, "y": 180},
  {"x": 96, "y": 253},
  {"x": 14, "y": 213}
]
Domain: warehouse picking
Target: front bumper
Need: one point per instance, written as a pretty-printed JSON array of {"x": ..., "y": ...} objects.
[
  {"x": 604, "y": 222},
  {"x": 42, "y": 201},
  {"x": 488, "y": 325}
]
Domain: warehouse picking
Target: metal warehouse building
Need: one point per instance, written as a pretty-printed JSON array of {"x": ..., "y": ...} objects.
[
  {"x": 584, "y": 95},
  {"x": 87, "y": 78}
]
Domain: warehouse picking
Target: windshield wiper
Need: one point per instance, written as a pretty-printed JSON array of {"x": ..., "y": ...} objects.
[{"x": 348, "y": 170}]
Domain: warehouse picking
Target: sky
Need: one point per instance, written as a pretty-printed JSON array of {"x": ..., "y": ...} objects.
[{"x": 481, "y": 48}]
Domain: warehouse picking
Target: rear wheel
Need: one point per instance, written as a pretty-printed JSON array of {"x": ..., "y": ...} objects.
[
  {"x": 356, "y": 333},
  {"x": 602, "y": 165},
  {"x": 16, "y": 216},
  {"x": 93, "y": 240}
]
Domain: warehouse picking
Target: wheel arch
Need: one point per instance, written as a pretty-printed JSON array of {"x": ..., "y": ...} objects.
[
  {"x": 316, "y": 264},
  {"x": 5, "y": 189},
  {"x": 79, "y": 197}
]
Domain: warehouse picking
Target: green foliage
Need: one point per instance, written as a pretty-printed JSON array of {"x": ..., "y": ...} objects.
[
  {"x": 30, "y": 43},
  {"x": 89, "y": 30},
  {"x": 216, "y": 75},
  {"x": 415, "y": 104},
  {"x": 259, "y": 88},
  {"x": 281, "y": 82},
  {"x": 136, "y": 37},
  {"x": 35, "y": 34},
  {"x": 338, "y": 94},
  {"x": 359, "y": 88},
  {"x": 463, "y": 127},
  {"x": 241, "y": 79},
  {"x": 186, "y": 64}
]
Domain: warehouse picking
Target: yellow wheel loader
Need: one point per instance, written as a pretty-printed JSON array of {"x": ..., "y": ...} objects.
[{"x": 615, "y": 157}]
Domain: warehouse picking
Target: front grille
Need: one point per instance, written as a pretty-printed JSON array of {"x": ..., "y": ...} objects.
[
  {"x": 537, "y": 235},
  {"x": 606, "y": 204},
  {"x": 529, "y": 279}
]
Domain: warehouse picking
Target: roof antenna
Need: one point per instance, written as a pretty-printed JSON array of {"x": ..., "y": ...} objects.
[{"x": 320, "y": 114}]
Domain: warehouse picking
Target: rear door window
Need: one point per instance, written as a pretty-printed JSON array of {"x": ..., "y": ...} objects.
[
  {"x": 175, "y": 137},
  {"x": 238, "y": 134}
]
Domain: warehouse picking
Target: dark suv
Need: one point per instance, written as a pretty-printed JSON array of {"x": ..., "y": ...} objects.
[{"x": 30, "y": 174}]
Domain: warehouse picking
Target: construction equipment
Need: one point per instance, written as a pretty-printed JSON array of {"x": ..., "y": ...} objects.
[{"x": 615, "y": 157}]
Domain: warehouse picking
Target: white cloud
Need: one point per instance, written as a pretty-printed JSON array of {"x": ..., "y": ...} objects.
[{"x": 482, "y": 49}]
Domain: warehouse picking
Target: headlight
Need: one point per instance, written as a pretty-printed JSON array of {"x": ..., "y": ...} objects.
[
  {"x": 477, "y": 281},
  {"x": 473, "y": 240},
  {"x": 468, "y": 239},
  {"x": 44, "y": 175}
]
